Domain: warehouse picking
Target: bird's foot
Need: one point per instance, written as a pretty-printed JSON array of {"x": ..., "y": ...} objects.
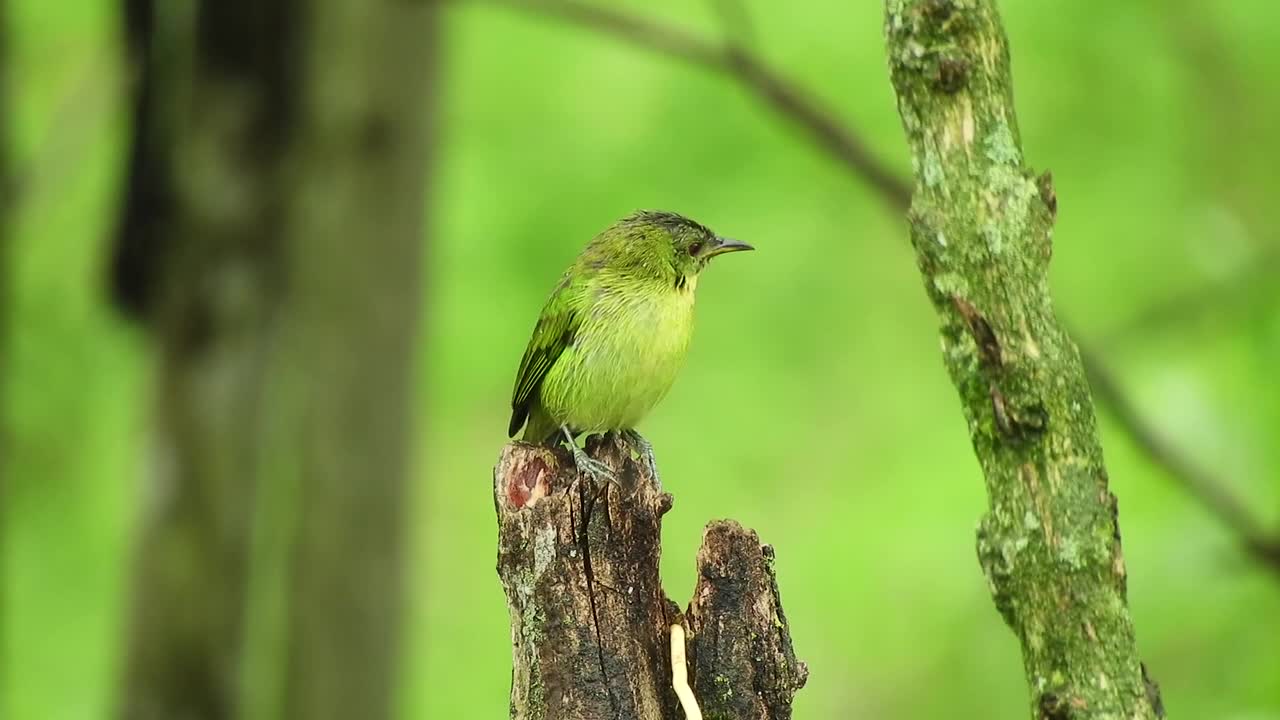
[
  {"x": 598, "y": 471},
  {"x": 646, "y": 453}
]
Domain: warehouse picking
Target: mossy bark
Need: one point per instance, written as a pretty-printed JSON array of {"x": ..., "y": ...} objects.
[
  {"x": 741, "y": 660},
  {"x": 590, "y": 623},
  {"x": 272, "y": 244},
  {"x": 982, "y": 224}
]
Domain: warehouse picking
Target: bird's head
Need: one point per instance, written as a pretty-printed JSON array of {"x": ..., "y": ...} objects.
[{"x": 664, "y": 245}]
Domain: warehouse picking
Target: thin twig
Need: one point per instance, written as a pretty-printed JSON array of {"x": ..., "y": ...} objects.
[
  {"x": 768, "y": 86},
  {"x": 1211, "y": 491},
  {"x": 739, "y": 29},
  {"x": 830, "y": 134}
]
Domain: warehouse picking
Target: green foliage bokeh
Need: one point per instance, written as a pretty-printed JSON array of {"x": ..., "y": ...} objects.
[{"x": 814, "y": 407}]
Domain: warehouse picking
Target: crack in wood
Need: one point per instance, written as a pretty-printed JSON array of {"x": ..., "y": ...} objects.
[{"x": 589, "y": 574}]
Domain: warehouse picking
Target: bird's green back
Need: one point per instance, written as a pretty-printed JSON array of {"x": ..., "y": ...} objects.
[{"x": 554, "y": 332}]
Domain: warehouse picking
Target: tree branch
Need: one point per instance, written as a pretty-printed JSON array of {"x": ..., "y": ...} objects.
[
  {"x": 776, "y": 92},
  {"x": 981, "y": 224},
  {"x": 735, "y": 18},
  {"x": 1209, "y": 490},
  {"x": 785, "y": 98}
]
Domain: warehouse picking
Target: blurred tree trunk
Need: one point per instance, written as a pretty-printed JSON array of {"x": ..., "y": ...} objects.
[
  {"x": 981, "y": 224},
  {"x": 272, "y": 241}
]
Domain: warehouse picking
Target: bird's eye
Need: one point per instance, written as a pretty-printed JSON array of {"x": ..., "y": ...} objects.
[{"x": 695, "y": 247}]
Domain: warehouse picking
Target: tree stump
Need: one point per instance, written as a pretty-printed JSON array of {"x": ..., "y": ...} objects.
[{"x": 590, "y": 623}]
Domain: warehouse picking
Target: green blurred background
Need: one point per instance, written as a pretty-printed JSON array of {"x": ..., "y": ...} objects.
[{"x": 814, "y": 407}]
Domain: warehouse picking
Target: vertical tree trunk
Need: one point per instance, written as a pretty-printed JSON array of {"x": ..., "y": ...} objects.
[
  {"x": 272, "y": 241},
  {"x": 590, "y": 622},
  {"x": 981, "y": 224}
]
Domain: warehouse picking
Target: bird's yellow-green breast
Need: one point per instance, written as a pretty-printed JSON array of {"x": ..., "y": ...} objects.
[{"x": 614, "y": 333}]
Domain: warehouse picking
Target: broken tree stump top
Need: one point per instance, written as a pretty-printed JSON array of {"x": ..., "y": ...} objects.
[{"x": 590, "y": 623}]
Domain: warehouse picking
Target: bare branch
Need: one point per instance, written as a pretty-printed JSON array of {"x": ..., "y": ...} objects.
[
  {"x": 775, "y": 91},
  {"x": 648, "y": 34},
  {"x": 831, "y": 135},
  {"x": 734, "y": 17},
  {"x": 1209, "y": 490}
]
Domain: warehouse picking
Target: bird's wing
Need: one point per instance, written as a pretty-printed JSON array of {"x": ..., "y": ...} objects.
[{"x": 553, "y": 333}]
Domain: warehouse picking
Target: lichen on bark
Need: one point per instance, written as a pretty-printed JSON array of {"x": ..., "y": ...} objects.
[{"x": 982, "y": 225}]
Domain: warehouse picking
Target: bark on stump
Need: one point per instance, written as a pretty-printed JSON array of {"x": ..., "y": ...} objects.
[{"x": 590, "y": 623}]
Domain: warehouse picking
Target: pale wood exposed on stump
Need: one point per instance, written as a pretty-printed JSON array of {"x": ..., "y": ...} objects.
[{"x": 590, "y": 623}]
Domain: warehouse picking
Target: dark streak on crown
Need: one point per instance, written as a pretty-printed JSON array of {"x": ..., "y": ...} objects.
[{"x": 673, "y": 222}]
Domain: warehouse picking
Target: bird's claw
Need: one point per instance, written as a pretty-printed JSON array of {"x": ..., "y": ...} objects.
[
  {"x": 646, "y": 453},
  {"x": 597, "y": 470}
]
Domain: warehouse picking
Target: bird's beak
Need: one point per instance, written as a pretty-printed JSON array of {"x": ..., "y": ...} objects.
[{"x": 725, "y": 245}]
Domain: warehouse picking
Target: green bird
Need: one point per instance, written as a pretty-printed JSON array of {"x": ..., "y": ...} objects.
[{"x": 614, "y": 333}]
